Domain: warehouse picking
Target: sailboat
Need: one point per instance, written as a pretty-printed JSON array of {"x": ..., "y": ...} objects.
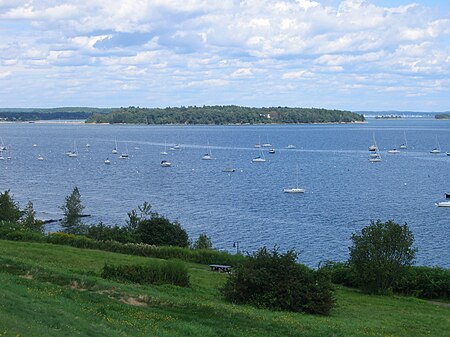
[
  {"x": 73, "y": 154},
  {"x": 258, "y": 145},
  {"x": 374, "y": 157},
  {"x": 267, "y": 144},
  {"x": 373, "y": 147},
  {"x": 164, "y": 153},
  {"x": 114, "y": 151},
  {"x": 208, "y": 156},
  {"x": 260, "y": 158},
  {"x": 437, "y": 149},
  {"x": 107, "y": 161},
  {"x": 124, "y": 155},
  {"x": 296, "y": 189},
  {"x": 39, "y": 157},
  {"x": 405, "y": 144}
]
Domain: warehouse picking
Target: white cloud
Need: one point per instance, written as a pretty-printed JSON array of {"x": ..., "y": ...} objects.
[{"x": 258, "y": 45}]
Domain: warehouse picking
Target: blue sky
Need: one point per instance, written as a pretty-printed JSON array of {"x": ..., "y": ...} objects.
[{"x": 346, "y": 54}]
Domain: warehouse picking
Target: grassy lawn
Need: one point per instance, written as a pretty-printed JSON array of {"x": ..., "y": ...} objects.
[{"x": 50, "y": 290}]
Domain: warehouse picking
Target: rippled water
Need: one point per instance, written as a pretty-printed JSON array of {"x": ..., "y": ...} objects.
[{"x": 343, "y": 190}]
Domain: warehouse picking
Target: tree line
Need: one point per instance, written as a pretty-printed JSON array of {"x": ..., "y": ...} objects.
[{"x": 224, "y": 114}]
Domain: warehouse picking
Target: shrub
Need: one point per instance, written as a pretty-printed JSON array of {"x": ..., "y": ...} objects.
[
  {"x": 103, "y": 232},
  {"x": 203, "y": 242},
  {"x": 9, "y": 209},
  {"x": 160, "y": 231},
  {"x": 424, "y": 282},
  {"x": 277, "y": 281},
  {"x": 168, "y": 272},
  {"x": 340, "y": 273},
  {"x": 380, "y": 254},
  {"x": 72, "y": 240}
]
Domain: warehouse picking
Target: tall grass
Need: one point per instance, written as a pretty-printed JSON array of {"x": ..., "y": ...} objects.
[{"x": 167, "y": 272}]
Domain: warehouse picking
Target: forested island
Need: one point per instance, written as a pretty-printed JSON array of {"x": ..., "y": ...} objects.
[
  {"x": 224, "y": 114},
  {"x": 34, "y": 114},
  {"x": 443, "y": 116}
]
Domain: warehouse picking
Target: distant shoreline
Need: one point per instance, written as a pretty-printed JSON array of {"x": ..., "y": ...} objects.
[{"x": 172, "y": 124}]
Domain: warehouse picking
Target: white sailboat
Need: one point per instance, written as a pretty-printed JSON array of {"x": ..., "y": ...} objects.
[
  {"x": 107, "y": 161},
  {"x": 437, "y": 149},
  {"x": 258, "y": 145},
  {"x": 296, "y": 189},
  {"x": 267, "y": 144},
  {"x": 114, "y": 151},
  {"x": 291, "y": 146},
  {"x": 73, "y": 153},
  {"x": 374, "y": 157},
  {"x": 124, "y": 155},
  {"x": 373, "y": 147},
  {"x": 260, "y": 158},
  {"x": 208, "y": 156},
  {"x": 164, "y": 152},
  {"x": 405, "y": 144}
]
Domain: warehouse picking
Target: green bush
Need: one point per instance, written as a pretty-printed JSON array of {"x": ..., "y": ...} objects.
[
  {"x": 380, "y": 254},
  {"x": 276, "y": 281},
  {"x": 167, "y": 272},
  {"x": 161, "y": 232},
  {"x": 424, "y": 282},
  {"x": 340, "y": 273},
  {"x": 72, "y": 240},
  {"x": 102, "y": 232}
]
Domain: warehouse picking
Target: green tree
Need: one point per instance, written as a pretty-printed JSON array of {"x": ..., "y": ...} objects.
[
  {"x": 160, "y": 231},
  {"x": 9, "y": 209},
  {"x": 136, "y": 216},
  {"x": 203, "y": 242},
  {"x": 380, "y": 254},
  {"x": 28, "y": 219},
  {"x": 72, "y": 209}
]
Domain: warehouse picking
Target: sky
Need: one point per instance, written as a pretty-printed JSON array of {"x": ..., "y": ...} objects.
[{"x": 342, "y": 54}]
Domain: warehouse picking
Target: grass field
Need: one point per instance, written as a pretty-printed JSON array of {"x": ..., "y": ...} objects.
[{"x": 50, "y": 290}]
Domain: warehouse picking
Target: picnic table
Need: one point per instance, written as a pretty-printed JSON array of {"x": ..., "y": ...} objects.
[{"x": 220, "y": 268}]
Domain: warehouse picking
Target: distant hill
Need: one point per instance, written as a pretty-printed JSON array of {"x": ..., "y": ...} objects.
[
  {"x": 226, "y": 114},
  {"x": 66, "y": 113}
]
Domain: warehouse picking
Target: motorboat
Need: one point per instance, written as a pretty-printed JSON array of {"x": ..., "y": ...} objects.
[
  {"x": 443, "y": 204},
  {"x": 165, "y": 163},
  {"x": 393, "y": 151},
  {"x": 39, "y": 157},
  {"x": 373, "y": 148},
  {"x": 258, "y": 159},
  {"x": 272, "y": 151},
  {"x": 294, "y": 190},
  {"x": 107, "y": 161},
  {"x": 229, "y": 169}
]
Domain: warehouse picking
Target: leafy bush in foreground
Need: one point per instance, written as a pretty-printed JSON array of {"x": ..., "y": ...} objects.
[
  {"x": 276, "y": 281},
  {"x": 379, "y": 255},
  {"x": 424, "y": 282},
  {"x": 167, "y": 272}
]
